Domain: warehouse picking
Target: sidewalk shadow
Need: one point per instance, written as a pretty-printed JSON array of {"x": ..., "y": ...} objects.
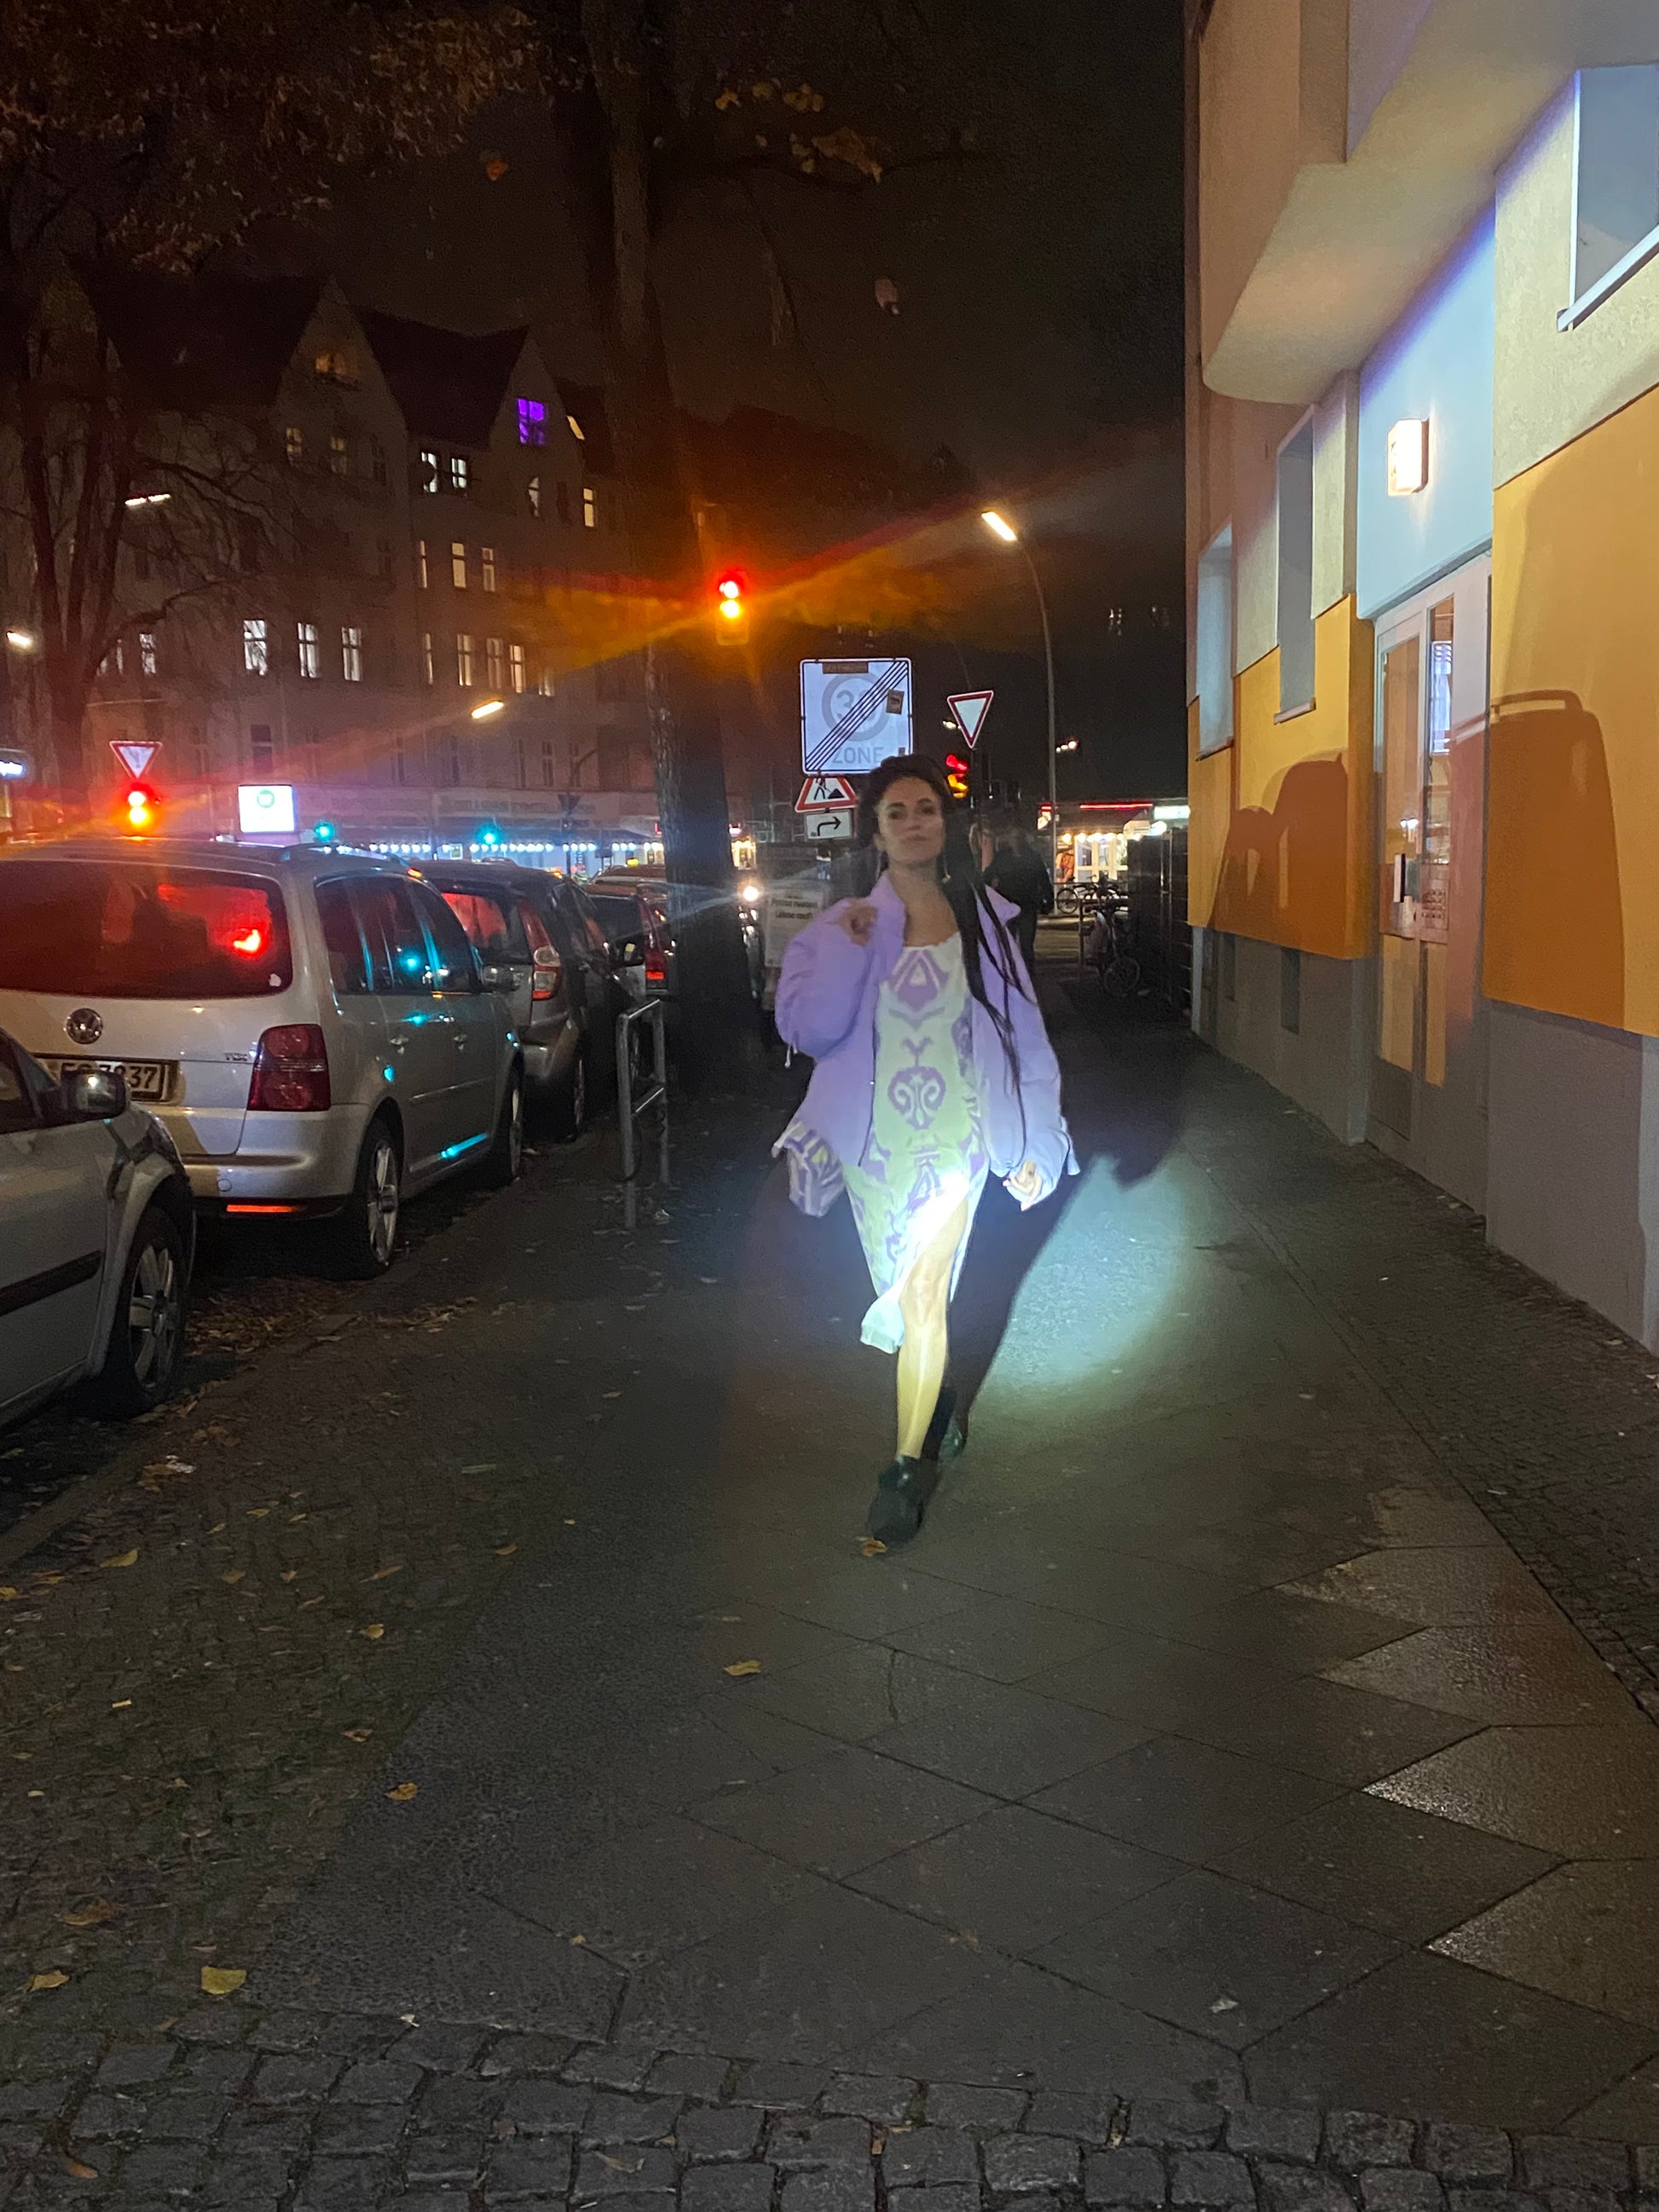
[
  {"x": 1135, "y": 1117},
  {"x": 1005, "y": 1246}
]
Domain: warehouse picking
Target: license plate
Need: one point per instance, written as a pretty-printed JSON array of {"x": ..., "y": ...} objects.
[{"x": 146, "y": 1079}]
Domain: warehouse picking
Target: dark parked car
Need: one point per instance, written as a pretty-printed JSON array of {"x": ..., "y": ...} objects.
[
  {"x": 633, "y": 911},
  {"x": 549, "y": 949}
]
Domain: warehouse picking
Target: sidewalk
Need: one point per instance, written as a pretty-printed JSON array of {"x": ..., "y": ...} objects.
[{"x": 1213, "y": 1749}]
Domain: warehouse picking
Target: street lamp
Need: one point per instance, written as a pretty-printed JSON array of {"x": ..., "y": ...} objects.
[
  {"x": 482, "y": 713},
  {"x": 22, "y": 640},
  {"x": 999, "y": 527}
]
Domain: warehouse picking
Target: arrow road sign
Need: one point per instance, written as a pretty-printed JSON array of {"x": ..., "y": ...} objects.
[
  {"x": 134, "y": 758},
  {"x": 826, "y": 824},
  {"x": 825, "y": 791},
  {"x": 971, "y": 709}
]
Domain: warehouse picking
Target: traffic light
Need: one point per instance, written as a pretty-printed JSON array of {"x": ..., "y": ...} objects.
[
  {"x": 143, "y": 807},
  {"x": 324, "y": 832},
  {"x": 731, "y": 607},
  {"x": 956, "y": 774}
]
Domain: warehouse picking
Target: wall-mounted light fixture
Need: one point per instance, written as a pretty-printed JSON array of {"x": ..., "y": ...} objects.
[{"x": 1408, "y": 458}]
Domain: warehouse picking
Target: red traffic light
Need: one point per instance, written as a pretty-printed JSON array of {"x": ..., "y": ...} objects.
[
  {"x": 731, "y": 605},
  {"x": 956, "y": 774},
  {"x": 142, "y": 805}
]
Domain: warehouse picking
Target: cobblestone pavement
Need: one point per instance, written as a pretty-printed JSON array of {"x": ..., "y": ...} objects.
[{"x": 486, "y": 1692}]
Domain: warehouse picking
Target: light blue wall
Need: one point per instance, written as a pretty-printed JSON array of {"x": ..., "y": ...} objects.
[{"x": 1436, "y": 363}]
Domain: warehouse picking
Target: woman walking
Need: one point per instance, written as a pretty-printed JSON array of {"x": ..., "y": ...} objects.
[{"x": 933, "y": 1071}]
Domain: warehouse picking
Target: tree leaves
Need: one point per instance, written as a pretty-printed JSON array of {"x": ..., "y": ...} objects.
[
  {"x": 222, "y": 1981},
  {"x": 123, "y": 1559},
  {"x": 51, "y": 1980},
  {"x": 403, "y": 1792}
]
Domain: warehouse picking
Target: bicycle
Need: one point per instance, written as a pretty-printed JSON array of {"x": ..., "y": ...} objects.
[{"x": 1115, "y": 966}]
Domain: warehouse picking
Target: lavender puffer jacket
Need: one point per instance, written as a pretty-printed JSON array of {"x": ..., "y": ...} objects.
[{"x": 826, "y": 1007}]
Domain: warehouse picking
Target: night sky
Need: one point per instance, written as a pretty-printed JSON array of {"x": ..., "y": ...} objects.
[{"x": 1038, "y": 336}]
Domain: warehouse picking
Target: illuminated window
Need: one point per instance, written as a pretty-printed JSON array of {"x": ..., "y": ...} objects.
[
  {"x": 1214, "y": 642},
  {"x": 518, "y": 673},
  {"x": 310, "y": 659},
  {"x": 351, "y": 654},
  {"x": 428, "y": 665},
  {"x": 461, "y": 474},
  {"x": 422, "y": 575},
  {"x": 458, "y": 565},
  {"x": 339, "y": 456},
  {"x": 544, "y": 681},
  {"x": 589, "y": 508},
  {"x": 256, "y": 648},
  {"x": 464, "y": 659},
  {"x": 294, "y": 444},
  {"x": 532, "y": 422},
  {"x": 533, "y": 494},
  {"x": 576, "y": 429},
  {"x": 426, "y": 470},
  {"x": 147, "y": 652},
  {"x": 334, "y": 366},
  {"x": 487, "y": 567},
  {"x": 494, "y": 663}
]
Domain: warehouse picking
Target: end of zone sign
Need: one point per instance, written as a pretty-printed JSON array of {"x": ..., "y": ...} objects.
[{"x": 854, "y": 714}]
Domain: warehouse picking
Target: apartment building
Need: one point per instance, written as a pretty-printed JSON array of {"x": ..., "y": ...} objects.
[
  {"x": 1422, "y": 440},
  {"x": 424, "y": 631}
]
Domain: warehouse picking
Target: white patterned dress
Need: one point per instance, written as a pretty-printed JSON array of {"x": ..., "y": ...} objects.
[{"x": 926, "y": 1152}]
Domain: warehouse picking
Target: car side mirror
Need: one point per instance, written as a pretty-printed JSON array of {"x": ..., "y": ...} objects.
[
  {"x": 630, "y": 952},
  {"x": 95, "y": 1094}
]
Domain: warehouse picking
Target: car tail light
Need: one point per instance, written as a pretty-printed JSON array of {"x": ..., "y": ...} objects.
[
  {"x": 549, "y": 974},
  {"x": 656, "y": 960},
  {"x": 291, "y": 1071}
]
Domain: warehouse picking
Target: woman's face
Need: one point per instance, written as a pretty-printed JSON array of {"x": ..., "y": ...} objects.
[{"x": 910, "y": 822}]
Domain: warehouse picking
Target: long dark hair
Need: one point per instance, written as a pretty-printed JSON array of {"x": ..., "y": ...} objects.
[{"x": 984, "y": 933}]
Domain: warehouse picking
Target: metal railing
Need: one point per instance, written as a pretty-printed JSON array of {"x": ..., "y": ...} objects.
[{"x": 629, "y": 1108}]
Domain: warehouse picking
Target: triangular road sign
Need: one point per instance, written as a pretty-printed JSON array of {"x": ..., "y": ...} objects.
[
  {"x": 971, "y": 709},
  {"x": 825, "y": 791},
  {"x": 134, "y": 758}
]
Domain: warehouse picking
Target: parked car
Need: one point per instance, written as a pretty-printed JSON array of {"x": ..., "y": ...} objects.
[
  {"x": 537, "y": 928},
  {"x": 97, "y": 1235},
  {"x": 633, "y": 911},
  {"x": 311, "y": 1027}
]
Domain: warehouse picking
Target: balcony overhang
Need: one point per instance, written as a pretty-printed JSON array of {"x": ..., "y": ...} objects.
[{"x": 1354, "y": 240}]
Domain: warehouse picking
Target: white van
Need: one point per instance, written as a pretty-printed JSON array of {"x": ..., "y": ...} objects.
[{"x": 311, "y": 1027}]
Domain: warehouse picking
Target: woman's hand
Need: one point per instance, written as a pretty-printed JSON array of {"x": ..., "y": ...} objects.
[
  {"x": 1026, "y": 1183},
  {"x": 858, "y": 919}
]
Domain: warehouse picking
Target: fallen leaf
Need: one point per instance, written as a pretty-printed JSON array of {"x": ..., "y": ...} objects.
[
  {"x": 306, "y": 1603},
  {"x": 292, "y": 1576},
  {"x": 258, "y": 1512},
  {"x": 744, "y": 1666},
  {"x": 8, "y": 1592},
  {"x": 233, "y": 1575},
  {"x": 1224, "y": 2004},
  {"x": 403, "y": 1792},
  {"x": 505, "y": 1551},
  {"x": 120, "y": 1704},
  {"x": 360, "y": 1735},
  {"x": 82, "y": 2171},
  {"x": 91, "y": 1914},
  {"x": 53, "y": 1980},
  {"x": 621, "y": 2165},
  {"x": 374, "y": 1631},
  {"x": 579, "y": 1939},
  {"x": 380, "y": 1573},
  {"x": 481, "y": 1467},
  {"x": 613, "y": 1393},
  {"x": 221, "y": 1981},
  {"x": 122, "y": 1559}
]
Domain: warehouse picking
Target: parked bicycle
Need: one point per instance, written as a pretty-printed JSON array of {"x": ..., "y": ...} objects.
[{"x": 1109, "y": 950}]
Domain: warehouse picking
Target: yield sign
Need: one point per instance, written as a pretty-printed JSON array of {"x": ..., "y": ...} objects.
[
  {"x": 825, "y": 791},
  {"x": 971, "y": 709},
  {"x": 134, "y": 758}
]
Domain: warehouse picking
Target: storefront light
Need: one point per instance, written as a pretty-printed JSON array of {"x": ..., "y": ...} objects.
[{"x": 1408, "y": 458}]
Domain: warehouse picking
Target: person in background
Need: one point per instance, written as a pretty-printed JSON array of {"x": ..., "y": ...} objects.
[
  {"x": 1020, "y": 874},
  {"x": 934, "y": 1072}
]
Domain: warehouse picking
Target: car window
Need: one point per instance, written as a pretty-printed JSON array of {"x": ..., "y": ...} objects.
[
  {"x": 138, "y": 929},
  {"x": 399, "y": 960},
  {"x": 453, "y": 967},
  {"x": 535, "y": 931},
  {"x": 348, "y": 960},
  {"x": 491, "y": 923},
  {"x": 17, "y": 1103},
  {"x": 592, "y": 927}
]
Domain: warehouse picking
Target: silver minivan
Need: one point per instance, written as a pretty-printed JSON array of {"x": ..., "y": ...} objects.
[{"x": 311, "y": 1026}]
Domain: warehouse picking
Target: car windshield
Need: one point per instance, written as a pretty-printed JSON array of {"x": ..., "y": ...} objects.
[
  {"x": 134, "y": 929},
  {"x": 620, "y": 917}
]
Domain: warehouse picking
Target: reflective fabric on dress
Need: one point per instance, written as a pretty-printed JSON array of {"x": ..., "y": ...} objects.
[{"x": 926, "y": 1153}]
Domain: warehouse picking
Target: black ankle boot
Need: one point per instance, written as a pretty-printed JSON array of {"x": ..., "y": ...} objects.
[
  {"x": 896, "y": 1509},
  {"x": 945, "y": 1439}
]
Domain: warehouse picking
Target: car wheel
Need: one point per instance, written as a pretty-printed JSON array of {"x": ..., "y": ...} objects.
[
  {"x": 147, "y": 1336},
  {"x": 364, "y": 1236},
  {"x": 505, "y": 1157},
  {"x": 570, "y": 1106}
]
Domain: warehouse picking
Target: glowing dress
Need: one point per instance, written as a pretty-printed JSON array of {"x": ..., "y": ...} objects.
[{"x": 926, "y": 1152}]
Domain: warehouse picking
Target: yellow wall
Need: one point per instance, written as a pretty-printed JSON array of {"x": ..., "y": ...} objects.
[
  {"x": 1279, "y": 845},
  {"x": 1572, "y": 847}
]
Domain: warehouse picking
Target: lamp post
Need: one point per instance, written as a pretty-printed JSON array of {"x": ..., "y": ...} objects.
[{"x": 999, "y": 527}]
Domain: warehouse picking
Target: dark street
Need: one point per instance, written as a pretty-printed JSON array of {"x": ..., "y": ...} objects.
[{"x": 487, "y": 1690}]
